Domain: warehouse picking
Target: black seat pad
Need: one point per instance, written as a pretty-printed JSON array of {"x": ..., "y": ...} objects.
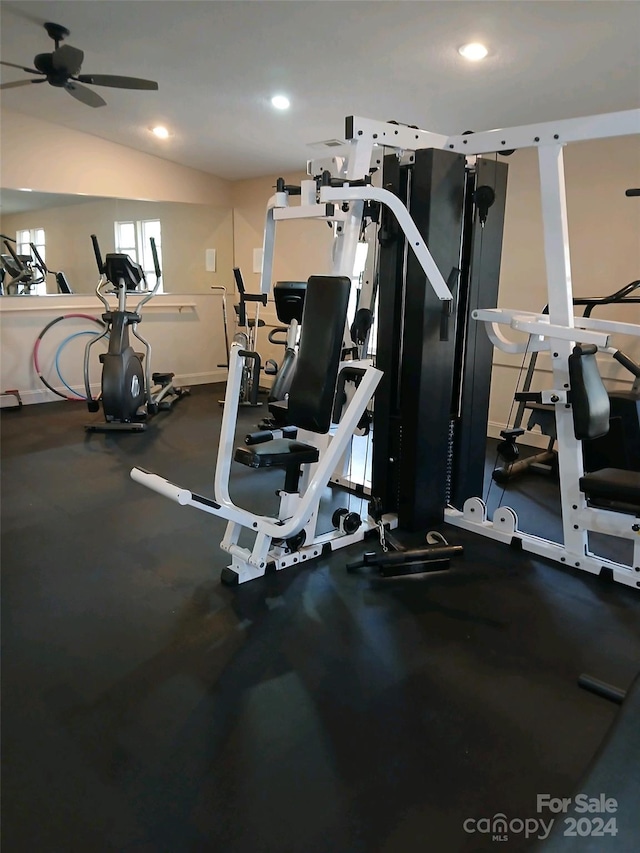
[
  {"x": 277, "y": 453},
  {"x": 613, "y": 484}
]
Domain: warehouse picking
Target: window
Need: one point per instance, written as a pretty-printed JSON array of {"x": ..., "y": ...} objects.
[
  {"x": 133, "y": 238},
  {"x": 24, "y": 238}
]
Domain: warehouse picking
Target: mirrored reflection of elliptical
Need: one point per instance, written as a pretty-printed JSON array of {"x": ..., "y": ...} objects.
[
  {"x": 130, "y": 392},
  {"x": 19, "y": 274}
]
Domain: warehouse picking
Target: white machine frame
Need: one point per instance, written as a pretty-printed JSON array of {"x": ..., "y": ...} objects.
[
  {"x": 556, "y": 332},
  {"x": 299, "y": 512}
]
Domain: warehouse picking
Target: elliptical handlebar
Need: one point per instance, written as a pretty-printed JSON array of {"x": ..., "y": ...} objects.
[
  {"x": 96, "y": 252},
  {"x": 103, "y": 278},
  {"x": 41, "y": 263},
  {"x": 15, "y": 257},
  {"x": 628, "y": 363},
  {"x": 156, "y": 263},
  {"x": 158, "y": 273},
  {"x": 624, "y": 294}
]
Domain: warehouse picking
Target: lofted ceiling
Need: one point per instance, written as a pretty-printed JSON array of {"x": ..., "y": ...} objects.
[{"x": 218, "y": 64}]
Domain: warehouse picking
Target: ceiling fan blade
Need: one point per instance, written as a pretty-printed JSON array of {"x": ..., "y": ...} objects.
[
  {"x": 21, "y": 67},
  {"x": 17, "y": 83},
  {"x": 67, "y": 58},
  {"x": 81, "y": 93},
  {"x": 117, "y": 81}
]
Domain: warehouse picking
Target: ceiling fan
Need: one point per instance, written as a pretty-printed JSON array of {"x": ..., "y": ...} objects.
[{"x": 61, "y": 69}]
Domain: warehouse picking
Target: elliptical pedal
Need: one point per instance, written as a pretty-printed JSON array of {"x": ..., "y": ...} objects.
[{"x": 162, "y": 378}]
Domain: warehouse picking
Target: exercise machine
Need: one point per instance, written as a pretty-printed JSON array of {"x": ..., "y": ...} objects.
[
  {"x": 246, "y": 336},
  {"x": 131, "y": 393},
  {"x": 430, "y": 460},
  {"x": 605, "y": 501},
  {"x": 62, "y": 282},
  {"x": 620, "y": 448},
  {"x": 324, "y": 419},
  {"x": 24, "y": 272},
  {"x": 307, "y": 461}
]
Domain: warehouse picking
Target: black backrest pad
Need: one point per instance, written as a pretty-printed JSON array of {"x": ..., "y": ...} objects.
[
  {"x": 289, "y": 299},
  {"x": 589, "y": 398},
  {"x": 323, "y": 326}
]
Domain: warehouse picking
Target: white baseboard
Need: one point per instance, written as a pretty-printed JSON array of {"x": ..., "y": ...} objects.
[
  {"x": 43, "y": 395},
  {"x": 201, "y": 378}
]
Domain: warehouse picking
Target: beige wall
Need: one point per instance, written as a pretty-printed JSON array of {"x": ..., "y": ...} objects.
[
  {"x": 49, "y": 158},
  {"x": 604, "y": 225},
  {"x": 302, "y": 248}
]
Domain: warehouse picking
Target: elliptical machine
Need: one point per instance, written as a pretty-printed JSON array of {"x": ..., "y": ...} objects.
[
  {"x": 62, "y": 283},
  {"x": 25, "y": 273},
  {"x": 127, "y": 395}
]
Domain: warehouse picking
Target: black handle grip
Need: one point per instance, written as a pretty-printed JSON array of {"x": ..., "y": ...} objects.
[
  {"x": 239, "y": 280},
  {"x": 279, "y": 330},
  {"x": 250, "y": 354},
  {"x": 632, "y": 192},
  {"x": 258, "y": 437},
  {"x": 96, "y": 252},
  {"x": 15, "y": 257},
  {"x": 38, "y": 257},
  {"x": 255, "y": 297},
  {"x": 601, "y": 688},
  {"x": 527, "y": 397},
  {"x": 627, "y": 362},
  {"x": 156, "y": 262}
]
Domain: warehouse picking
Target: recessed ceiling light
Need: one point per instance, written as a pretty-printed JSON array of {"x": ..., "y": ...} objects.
[
  {"x": 160, "y": 132},
  {"x": 280, "y": 102},
  {"x": 473, "y": 51}
]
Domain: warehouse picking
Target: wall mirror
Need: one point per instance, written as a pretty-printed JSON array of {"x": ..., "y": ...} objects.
[{"x": 196, "y": 239}]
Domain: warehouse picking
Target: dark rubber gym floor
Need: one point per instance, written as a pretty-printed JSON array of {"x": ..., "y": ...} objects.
[{"x": 147, "y": 708}]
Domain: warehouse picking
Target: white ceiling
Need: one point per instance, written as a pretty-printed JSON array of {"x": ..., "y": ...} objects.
[{"x": 218, "y": 63}]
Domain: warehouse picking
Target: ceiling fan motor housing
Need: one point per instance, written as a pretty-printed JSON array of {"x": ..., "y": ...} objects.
[{"x": 56, "y": 76}]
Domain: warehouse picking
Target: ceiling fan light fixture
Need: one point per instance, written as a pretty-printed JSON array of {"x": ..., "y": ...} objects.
[
  {"x": 474, "y": 51},
  {"x": 160, "y": 131},
  {"x": 280, "y": 102}
]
